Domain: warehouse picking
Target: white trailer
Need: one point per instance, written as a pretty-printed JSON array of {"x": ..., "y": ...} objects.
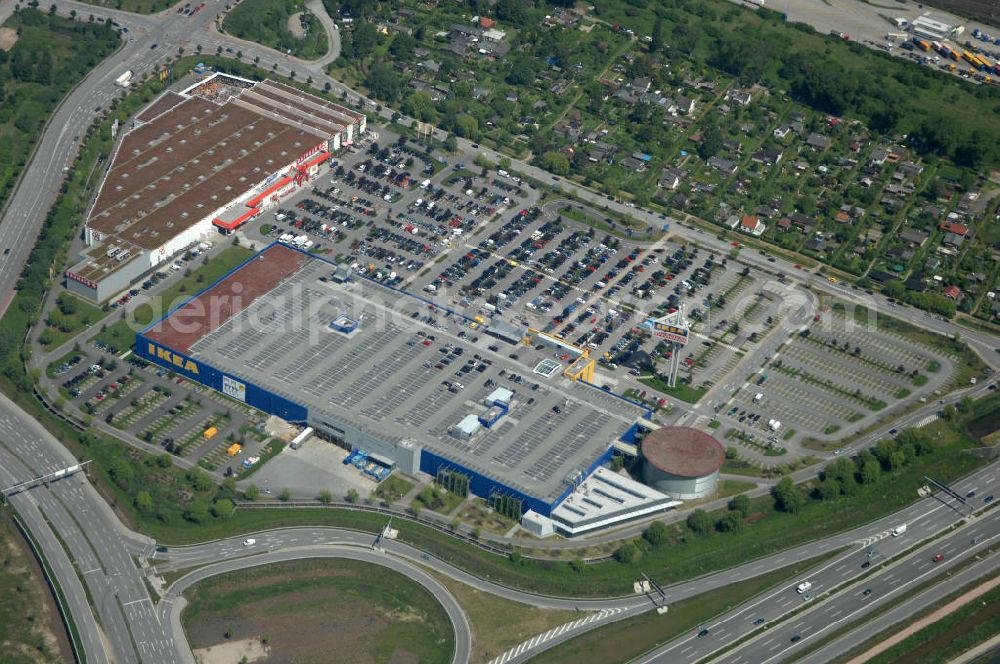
[{"x": 124, "y": 80}]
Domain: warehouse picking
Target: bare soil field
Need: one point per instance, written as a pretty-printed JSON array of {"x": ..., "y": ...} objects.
[
  {"x": 295, "y": 25},
  {"x": 323, "y": 611},
  {"x": 8, "y": 37}
]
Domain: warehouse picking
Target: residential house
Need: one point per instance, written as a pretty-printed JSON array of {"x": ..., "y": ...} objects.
[
  {"x": 722, "y": 165},
  {"x": 634, "y": 165},
  {"x": 685, "y": 105},
  {"x": 953, "y": 292},
  {"x": 640, "y": 85},
  {"x": 842, "y": 217},
  {"x": 802, "y": 222},
  {"x": 953, "y": 240},
  {"x": 878, "y": 156},
  {"x": 900, "y": 254},
  {"x": 881, "y": 276},
  {"x": 916, "y": 283},
  {"x": 914, "y": 237},
  {"x": 784, "y": 224},
  {"x": 430, "y": 65},
  {"x": 749, "y": 224},
  {"x": 769, "y": 156},
  {"x": 494, "y": 35},
  {"x": 818, "y": 141},
  {"x": 910, "y": 169},
  {"x": 949, "y": 226},
  {"x": 670, "y": 178},
  {"x": 741, "y": 97},
  {"x": 816, "y": 244},
  {"x": 781, "y": 131}
]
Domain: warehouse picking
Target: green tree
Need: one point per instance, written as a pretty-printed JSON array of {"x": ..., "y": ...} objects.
[
  {"x": 656, "y": 534},
  {"x": 199, "y": 480},
  {"x": 870, "y": 472},
  {"x": 828, "y": 489},
  {"x": 164, "y": 461},
  {"x": 198, "y": 512},
  {"x": 656, "y": 38},
  {"x": 628, "y": 553},
  {"x": 383, "y": 82},
  {"x": 251, "y": 493},
  {"x": 699, "y": 522},
  {"x": 711, "y": 141},
  {"x": 402, "y": 45},
  {"x": 554, "y": 162},
  {"x": 949, "y": 413},
  {"x": 352, "y": 496},
  {"x": 144, "y": 502},
  {"x": 285, "y": 495},
  {"x": 732, "y": 522},
  {"x": 363, "y": 39},
  {"x": 223, "y": 508},
  {"x": 740, "y": 504},
  {"x": 325, "y": 497},
  {"x": 788, "y": 496}
]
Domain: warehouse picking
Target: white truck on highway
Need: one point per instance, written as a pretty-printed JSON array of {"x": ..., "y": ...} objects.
[{"x": 124, "y": 80}]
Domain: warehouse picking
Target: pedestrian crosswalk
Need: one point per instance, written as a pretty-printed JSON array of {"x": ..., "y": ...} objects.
[{"x": 526, "y": 647}]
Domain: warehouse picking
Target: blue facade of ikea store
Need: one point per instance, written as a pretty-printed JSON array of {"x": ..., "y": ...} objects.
[
  {"x": 274, "y": 404},
  {"x": 209, "y": 376}
]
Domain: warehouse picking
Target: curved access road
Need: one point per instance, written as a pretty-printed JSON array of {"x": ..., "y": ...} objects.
[{"x": 170, "y": 607}]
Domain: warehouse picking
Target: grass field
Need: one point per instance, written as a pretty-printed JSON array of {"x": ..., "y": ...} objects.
[
  {"x": 266, "y": 22},
  {"x": 681, "y": 391},
  {"x": 70, "y": 316},
  {"x": 330, "y": 611},
  {"x": 120, "y": 335},
  {"x": 500, "y": 624},
  {"x": 30, "y": 629},
  {"x": 622, "y": 641},
  {"x": 137, "y": 6}
]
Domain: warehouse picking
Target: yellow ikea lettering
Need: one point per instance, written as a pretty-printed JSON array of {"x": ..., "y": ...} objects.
[{"x": 172, "y": 358}]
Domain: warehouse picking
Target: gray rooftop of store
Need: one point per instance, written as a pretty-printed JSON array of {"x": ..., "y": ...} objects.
[{"x": 382, "y": 377}]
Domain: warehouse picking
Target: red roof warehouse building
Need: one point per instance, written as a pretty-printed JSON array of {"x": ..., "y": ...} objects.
[{"x": 198, "y": 163}]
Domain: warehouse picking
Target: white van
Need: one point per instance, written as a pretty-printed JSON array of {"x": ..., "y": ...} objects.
[
  {"x": 899, "y": 530},
  {"x": 804, "y": 586}
]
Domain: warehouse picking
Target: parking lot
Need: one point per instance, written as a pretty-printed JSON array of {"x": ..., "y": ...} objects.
[
  {"x": 828, "y": 375},
  {"x": 180, "y": 417},
  {"x": 484, "y": 244}
]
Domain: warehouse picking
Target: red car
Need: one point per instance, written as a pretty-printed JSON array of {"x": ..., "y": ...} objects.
[{"x": 938, "y": 557}]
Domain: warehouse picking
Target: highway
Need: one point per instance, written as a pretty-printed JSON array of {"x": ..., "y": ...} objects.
[
  {"x": 92, "y": 553},
  {"x": 817, "y": 614}
]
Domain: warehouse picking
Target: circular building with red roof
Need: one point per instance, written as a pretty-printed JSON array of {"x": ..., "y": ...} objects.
[{"x": 681, "y": 462}]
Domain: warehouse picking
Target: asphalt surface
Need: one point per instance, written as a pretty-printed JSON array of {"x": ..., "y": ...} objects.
[
  {"x": 90, "y": 551},
  {"x": 821, "y": 614}
]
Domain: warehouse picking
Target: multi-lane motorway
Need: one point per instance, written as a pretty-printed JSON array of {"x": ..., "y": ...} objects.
[{"x": 93, "y": 556}]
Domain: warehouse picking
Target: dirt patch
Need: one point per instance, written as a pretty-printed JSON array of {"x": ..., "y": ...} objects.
[
  {"x": 295, "y": 25},
  {"x": 8, "y": 37},
  {"x": 243, "y": 650},
  {"x": 31, "y": 597}
]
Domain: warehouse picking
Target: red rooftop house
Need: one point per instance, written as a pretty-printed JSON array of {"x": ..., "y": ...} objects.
[
  {"x": 954, "y": 292},
  {"x": 752, "y": 225},
  {"x": 949, "y": 226}
]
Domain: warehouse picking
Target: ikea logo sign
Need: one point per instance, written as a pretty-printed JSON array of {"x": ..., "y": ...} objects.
[{"x": 172, "y": 358}]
